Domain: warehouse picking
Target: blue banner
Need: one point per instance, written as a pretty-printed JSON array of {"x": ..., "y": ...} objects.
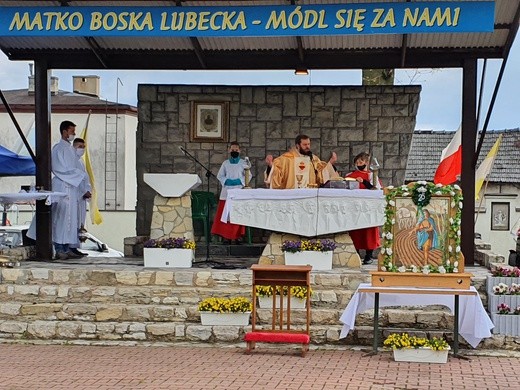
[{"x": 250, "y": 21}]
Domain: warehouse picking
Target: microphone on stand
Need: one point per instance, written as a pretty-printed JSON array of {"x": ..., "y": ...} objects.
[{"x": 309, "y": 153}]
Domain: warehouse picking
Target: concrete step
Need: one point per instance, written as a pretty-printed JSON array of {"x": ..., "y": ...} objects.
[
  {"x": 342, "y": 278},
  {"x": 148, "y": 295},
  {"x": 221, "y": 250}
]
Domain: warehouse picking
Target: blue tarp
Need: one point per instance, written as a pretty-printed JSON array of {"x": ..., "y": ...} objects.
[{"x": 12, "y": 164}]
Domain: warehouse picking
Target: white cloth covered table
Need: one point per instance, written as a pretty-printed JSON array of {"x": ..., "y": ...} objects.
[
  {"x": 25, "y": 197},
  {"x": 307, "y": 212},
  {"x": 474, "y": 322}
]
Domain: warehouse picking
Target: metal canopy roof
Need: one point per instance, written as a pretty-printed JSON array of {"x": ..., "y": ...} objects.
[{"x": 428, "y": 50}]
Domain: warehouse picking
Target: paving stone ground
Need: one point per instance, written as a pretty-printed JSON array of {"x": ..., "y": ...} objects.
[{"x": 30, "y": 367}]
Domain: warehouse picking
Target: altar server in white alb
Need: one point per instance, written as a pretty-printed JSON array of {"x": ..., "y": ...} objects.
[
  {"x": 230, "y": 175},
  {"x": 68, "y": 178},
  {"x": 84, "y": 191}
]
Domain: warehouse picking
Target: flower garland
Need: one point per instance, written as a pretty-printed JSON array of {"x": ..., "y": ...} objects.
[{"x": 421, "y": 193}]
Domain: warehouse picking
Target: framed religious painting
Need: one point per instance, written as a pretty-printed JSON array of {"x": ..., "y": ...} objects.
[
  {"x": 209, "y": 121},
  {"x": 421, "y": 237},
  {"x": 500, "y": 216}
]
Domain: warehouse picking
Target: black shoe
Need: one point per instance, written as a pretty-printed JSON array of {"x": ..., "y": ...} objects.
[
  {"x": 72, "y": 255},
  {"x": 368, "y": 261},
  {"x": 77, "y": 252}
]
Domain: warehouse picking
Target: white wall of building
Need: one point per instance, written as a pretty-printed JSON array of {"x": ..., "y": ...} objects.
[
  {"x": 501, "y": 240},
  {"x": 120, "y": 221},
  {"x": 126, "y": 188}
]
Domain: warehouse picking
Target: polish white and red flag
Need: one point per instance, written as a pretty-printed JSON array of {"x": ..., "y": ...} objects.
[{"x": 451, "y": 161}]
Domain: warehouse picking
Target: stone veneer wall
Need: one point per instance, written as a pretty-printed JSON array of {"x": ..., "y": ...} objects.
[
  {"x": 344, "y": 256},
  {"x": 265, "y": 120},
  {"x": 171, "y": 217}
]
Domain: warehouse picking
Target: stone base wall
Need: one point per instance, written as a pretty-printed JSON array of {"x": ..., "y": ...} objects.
[
  {"x": 486, "y": 257},
  {"x": 345, "y": 255},
  {"x": 19, "y": 253},
  {"x": 171, "y": 217}
]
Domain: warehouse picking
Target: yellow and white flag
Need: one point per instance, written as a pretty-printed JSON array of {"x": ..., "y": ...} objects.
[
  {"x": 95, "y": 215},
  {"x": 485, "y": 166}
]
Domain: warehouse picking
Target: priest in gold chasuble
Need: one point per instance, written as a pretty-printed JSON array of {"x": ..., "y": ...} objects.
[{"x": 299, "y": 168}]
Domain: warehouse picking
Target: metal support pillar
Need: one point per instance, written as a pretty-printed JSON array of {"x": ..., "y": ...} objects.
[
  {"x": 469, "y": 138},
  {"x": 42, "y": 104}
]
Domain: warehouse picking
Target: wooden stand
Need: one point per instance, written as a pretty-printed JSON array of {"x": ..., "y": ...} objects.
[
  {"x": 459, "y": 280},
  {"x": 280, "y": 332}
]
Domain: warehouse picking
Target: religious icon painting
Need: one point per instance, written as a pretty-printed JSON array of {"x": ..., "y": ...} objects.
[
  {"x": 500, "y": 216},
  {"x": 420, "y": 232},
  {"x": 422, "y": 229},
  {"x": 209, "y": 121}
]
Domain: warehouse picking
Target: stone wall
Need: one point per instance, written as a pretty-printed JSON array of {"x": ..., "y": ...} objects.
[
  {"x": 344, "y": 255},
  {"x": 265, "y": 120}
]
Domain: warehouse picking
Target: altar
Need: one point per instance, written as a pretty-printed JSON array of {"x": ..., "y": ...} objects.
[{"x": 307, "y": 212}]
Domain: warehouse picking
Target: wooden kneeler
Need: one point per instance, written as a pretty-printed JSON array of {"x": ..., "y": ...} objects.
[{"x": 280, "y": 332}]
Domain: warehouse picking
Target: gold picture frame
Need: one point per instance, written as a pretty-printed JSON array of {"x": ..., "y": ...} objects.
[{"x": 209, "y": 122}]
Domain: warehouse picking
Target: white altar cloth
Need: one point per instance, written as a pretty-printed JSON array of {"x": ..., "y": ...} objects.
[
  {"x": 306, "y": 212},
  {"x": 474, "y": 322}
]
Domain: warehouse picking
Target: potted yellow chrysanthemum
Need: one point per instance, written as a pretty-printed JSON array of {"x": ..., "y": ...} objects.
[
  {"x": 225, "y": 311},
  {"x": 298, "y": 296},
  {"x": 417, "y": 349}
]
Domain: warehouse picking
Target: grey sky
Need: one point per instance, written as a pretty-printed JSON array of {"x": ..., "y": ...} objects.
[{"x": 440, "y": 107}]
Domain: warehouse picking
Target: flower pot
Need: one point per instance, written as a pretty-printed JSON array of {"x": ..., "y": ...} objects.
[
  {"x": 318, "y": 260},
  {"x": 235, "y": 319},
  {"x": 420, "y": 355},
  {"x": 267, "y": 302},
  {"x": 170, "y": 258},
  {"x": 513, "y": 301},
  {"x": 494, "y": 280},
  {"x": 506, "y": 324}
]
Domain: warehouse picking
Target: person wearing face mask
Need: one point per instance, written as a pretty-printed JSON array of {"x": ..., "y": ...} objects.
[
  {"x": 299, "y": 167},
  {"x": 68, "y": 177},
  {"x": 230, "y": 175},
  {"x": 365, "y": 239},
  {"x": 84, "y": 192}
]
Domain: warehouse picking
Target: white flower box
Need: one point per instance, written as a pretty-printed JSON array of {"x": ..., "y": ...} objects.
[
  {"x": 495, "y": 280},
  {"x": 420, "y": 355},
  {"x": 267, "y": 302},
  {"x": 318, "y": 260},
  {"x": 506, "y": 324},
  {"x": 513, "y": 301},
  {"x": 168, "y": 258},
  {"x": 234, "y": 319}
]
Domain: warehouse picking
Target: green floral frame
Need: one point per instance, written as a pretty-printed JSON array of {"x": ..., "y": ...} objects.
[{"x": 422, "y": 193}]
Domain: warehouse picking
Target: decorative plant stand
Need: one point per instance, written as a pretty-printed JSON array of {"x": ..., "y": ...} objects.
[
  {"x": 233, "y": 319},
  {"x": 506, "y": 324},
  {"x": 420, "y": 355},
  {"x": 317, "y": 260},
  {"x": 495, "y": 280},
  {"x": 169, "y": 258},
  {"x": 267, "y": 302},
  {"x": 513, "y": 301}
]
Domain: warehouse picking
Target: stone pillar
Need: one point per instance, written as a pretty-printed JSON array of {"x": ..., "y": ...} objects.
[
  {"x": 345, "y": 255},
  {"x": 171, "y": 217}
]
